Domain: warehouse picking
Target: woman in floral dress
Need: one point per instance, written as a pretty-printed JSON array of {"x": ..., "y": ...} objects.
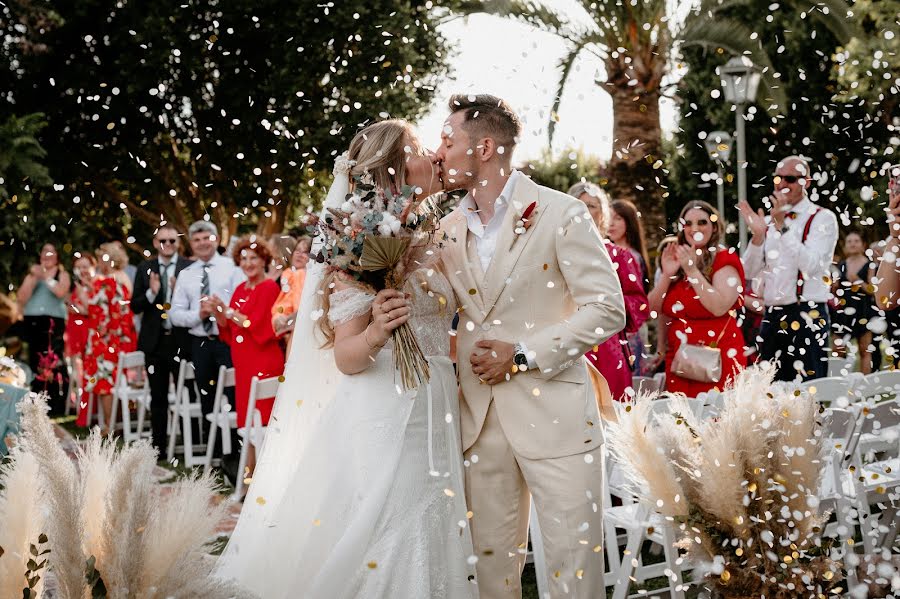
[{"x": 111, "y": 329}]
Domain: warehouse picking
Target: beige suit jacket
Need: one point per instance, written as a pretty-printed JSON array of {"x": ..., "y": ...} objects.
[{"x": 552, "y": 288}]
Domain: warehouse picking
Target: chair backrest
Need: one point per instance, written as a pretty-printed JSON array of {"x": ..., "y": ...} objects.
[
  {"x": 713, "y": 401},
  {"x": 831, "y": 390},
  {"x": 225, "y": 380},
  {"x": 261, "y": 389},
  {"x": 880, "y": 416},
  {"x": 884, "y": 383},
  {"x": 130, "y": 362}
]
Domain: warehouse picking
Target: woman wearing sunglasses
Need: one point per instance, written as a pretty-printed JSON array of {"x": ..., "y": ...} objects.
[{"x": 699, "y": 294}]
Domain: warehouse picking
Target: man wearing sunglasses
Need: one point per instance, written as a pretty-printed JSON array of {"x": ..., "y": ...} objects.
[
  {"x": 160, "y": 341},
  {"x": 791, "y": 251}
]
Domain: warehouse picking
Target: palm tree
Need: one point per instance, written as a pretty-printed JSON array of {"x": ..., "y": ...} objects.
[{"x": 636, "y": 41}]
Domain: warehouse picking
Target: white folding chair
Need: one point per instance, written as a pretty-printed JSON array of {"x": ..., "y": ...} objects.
[
  {"x": 254, "y": 432},
  {"x": 713, "y": 403},
  {"x": 828, "y": 391},
  {"x": 125, "y": 392},
  {"x": 836, "y": 492},
  {"x": 181, "y": 416},
  {"x": 222, "y": 418}
]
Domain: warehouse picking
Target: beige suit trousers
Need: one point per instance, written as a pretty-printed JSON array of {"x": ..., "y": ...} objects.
[{"x": 567, "y": 493}]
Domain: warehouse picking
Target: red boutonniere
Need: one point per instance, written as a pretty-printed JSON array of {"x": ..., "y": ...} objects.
[{"x": 524, "y": 222}]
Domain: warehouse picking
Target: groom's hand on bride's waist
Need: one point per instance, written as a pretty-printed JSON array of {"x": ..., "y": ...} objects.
[{"x": 492, "y": 361}]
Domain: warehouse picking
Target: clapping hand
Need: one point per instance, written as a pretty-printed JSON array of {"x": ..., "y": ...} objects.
[
  {"x": 756, "y": 221},
  {"x": 687, "y": 258},
  {"x": 669, "y": 261},
  {"x": 154, "y": 283}
]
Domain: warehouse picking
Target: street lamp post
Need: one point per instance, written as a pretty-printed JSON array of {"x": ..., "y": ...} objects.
[
  {"x": 718, "y": 146},
  {"x": 740, "y": 80}
]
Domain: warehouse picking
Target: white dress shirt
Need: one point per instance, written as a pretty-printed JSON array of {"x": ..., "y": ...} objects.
[
  {"x": 224, "y": 277},
  {"x": 783, "y": 255},
  {"x": 486, "y": 235}
]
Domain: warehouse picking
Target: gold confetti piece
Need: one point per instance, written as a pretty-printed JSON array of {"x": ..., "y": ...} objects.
[
  {"x": 472, "y": 291},
  {"x": 449, "y": 493},
  {"x": 281, "y": 378},
  {"x": 579, "y": 574},
  {"x": 556, "y": 574},
  {"x": 317, "y": 522},
  {"x": 828, "y": 575},
  {"x": 546, "y": 266},
  {"x": 795, "y": 326},
  {"x": 739, "y": 552},
  {"x": 261, "y": 501},
  {"x": 597, "y": 548},
  {"x": 726, "y": 576},
  {"x": 469, "y": 514},
  {"x": 372, "y": 565},
  {"x": 299, "y": 402}
]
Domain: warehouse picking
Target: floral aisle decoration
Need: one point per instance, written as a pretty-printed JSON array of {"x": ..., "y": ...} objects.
[
  {"x": 376, "y": 239},
  {"x": 99, "y": 524},
  {"x": 11, "y": 372},
  {"x": 741, "y": 489}
]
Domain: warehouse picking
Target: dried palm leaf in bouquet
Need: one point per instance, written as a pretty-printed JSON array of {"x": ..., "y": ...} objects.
[
  {"x": 377, "y": 238},
  {"x": 741, "y": 490}
]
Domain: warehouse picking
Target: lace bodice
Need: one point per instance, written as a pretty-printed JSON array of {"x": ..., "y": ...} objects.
[{"x": 432, "y": 308}]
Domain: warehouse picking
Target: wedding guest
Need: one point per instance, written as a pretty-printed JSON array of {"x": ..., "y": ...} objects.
[
  {"x": 84, "y": 270},
  {"x": 282, "y": 248},
  {"x": 110, "y": 329},
  {"x": 285, "y": 309},
  {"x": 791, "y": 251},
  {"x": 887, "y": 279},
  {"x": 700, "y": 295},
  {"x": 210, "y": 278},
  {"x": 154, "y": 286},
  {"x": 612, "y": 357},
  {"x": 853, "y": 291},
  {"x": 245, "y": 325},
  {"x": 626, "y": 230},
  {"x": 41, "y": 298}
]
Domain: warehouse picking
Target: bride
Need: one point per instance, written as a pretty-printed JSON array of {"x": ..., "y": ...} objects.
[{"x": 358, "y": 491}]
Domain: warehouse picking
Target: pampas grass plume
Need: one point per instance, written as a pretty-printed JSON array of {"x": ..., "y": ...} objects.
[{"x": 21, "y": 519}]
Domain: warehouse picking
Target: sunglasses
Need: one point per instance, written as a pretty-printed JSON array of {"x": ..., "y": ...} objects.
[
  {"x": 172, "y": 241},
  {"x": 787, "y": 178}
]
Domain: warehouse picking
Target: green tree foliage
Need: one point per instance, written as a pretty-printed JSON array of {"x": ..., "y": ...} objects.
[
  {"x": 561, "y": 173},
  {"x": 846, "y": 142},
  {"x": 868, "y": 66},
  {"x": 207, "y": 109}
]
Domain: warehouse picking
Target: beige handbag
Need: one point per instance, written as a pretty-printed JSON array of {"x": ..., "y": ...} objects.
[{"x": 701, "y": 363}]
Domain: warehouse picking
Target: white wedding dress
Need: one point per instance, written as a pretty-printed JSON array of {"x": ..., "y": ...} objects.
[{"x": 360, "y": 494}]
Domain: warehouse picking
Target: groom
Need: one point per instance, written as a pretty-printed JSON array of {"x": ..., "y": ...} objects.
[{"x": 536, "y": 289}]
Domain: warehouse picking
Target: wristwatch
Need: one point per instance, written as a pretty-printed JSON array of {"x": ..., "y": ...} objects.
[{"x": 519, "y": 358}]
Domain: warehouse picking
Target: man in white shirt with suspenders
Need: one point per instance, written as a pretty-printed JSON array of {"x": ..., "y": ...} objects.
[{"x": 792, "y": 249}]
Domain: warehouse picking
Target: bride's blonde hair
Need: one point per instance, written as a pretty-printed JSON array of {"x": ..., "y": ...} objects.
[{"x": 378, "y": 149}]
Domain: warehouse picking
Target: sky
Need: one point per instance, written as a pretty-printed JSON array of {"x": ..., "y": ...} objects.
[{"x": 521, "y": 65}]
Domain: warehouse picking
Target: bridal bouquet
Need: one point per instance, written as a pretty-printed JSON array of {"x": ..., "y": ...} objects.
[
  {"x": 377, "y": 238},
  {"x": 741, "y": 489}
]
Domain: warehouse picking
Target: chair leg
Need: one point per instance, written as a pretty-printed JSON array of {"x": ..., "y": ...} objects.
[
  {"x": 242, "y": 463},
  {"x": 113, "y": 418},
  {"x": 629, "y": 563},
  {"x": 676, "y": 579},
  {"x": 173, "y": 435},
  {"x": 187, "y": 436},
  {"x": 126, "y": 418},
  {"x": 141, "y": 412},
  {"x": 210, "y": 441}
]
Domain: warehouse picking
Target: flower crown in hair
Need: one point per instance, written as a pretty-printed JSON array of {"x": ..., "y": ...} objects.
[{"x": 343, "y": 165}]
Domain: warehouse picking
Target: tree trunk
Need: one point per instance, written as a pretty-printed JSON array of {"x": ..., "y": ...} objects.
[{"x": 635, "y": 170}]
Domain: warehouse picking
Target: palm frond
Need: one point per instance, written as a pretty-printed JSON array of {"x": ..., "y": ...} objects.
[
  {"x": 833, "y": 14},
  {"x": 566, "y": 63},
  {"x": 531, "y": 12},
  {"x": 734, "y": 38}
]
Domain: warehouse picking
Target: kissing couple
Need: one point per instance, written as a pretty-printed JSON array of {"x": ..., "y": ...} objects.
[{"x": 364, "y": 490}]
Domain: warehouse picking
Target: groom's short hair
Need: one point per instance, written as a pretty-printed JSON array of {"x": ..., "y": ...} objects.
[{"x": 488, "y": 116}]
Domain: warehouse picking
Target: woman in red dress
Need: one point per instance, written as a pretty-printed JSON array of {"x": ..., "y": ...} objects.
[
  {"x": 84, "y": 270},
  {"x": 110, "y": 328},
  {"x": 700, "y": 295},
  {"x": 612, "y": 358},
  {"x": 246, "y": 325}
]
